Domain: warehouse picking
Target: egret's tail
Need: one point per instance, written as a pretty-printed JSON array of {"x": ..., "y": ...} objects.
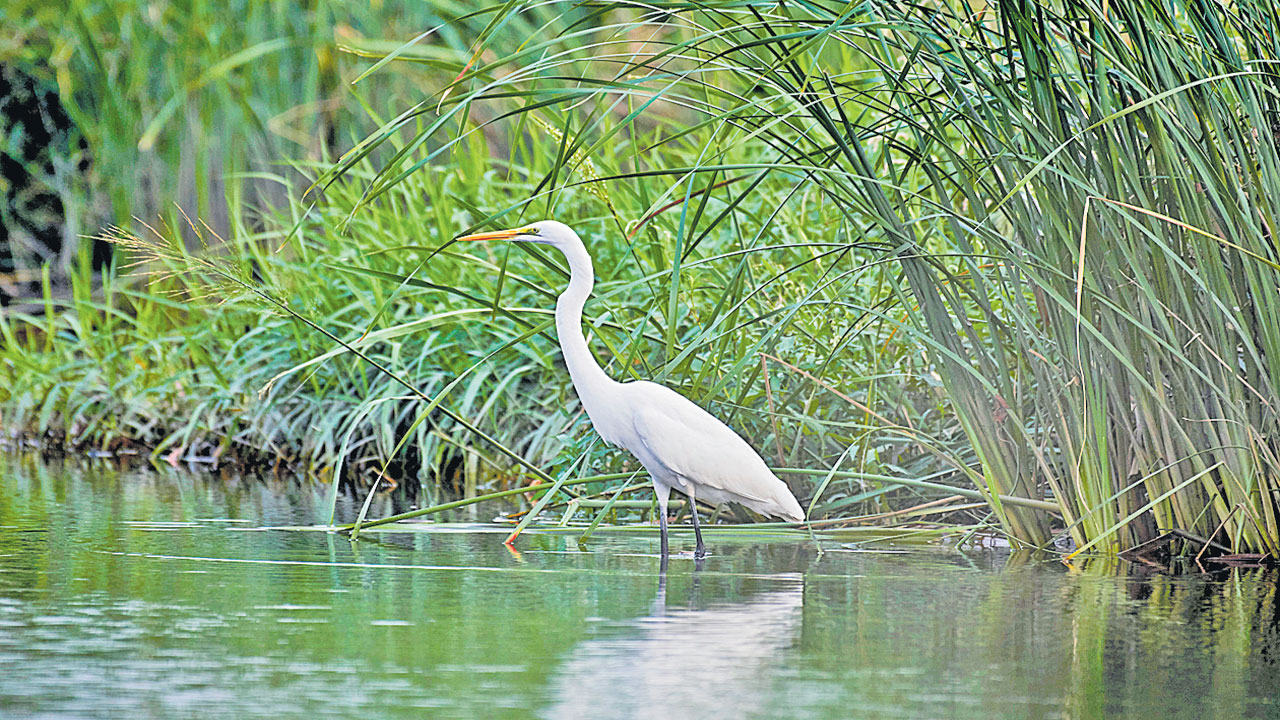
[
  {"x": 790, "y": 507},
  {"x": 782, "y": 504}
]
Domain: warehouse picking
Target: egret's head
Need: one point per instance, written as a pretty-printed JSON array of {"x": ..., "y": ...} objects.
[{"x": 545, "y": 232}]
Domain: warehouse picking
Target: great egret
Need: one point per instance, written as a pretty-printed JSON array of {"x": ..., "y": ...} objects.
[{"x": 680, "y": 444}]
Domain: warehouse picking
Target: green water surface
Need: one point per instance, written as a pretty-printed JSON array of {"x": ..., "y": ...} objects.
[{"x": 138, "y": 594}]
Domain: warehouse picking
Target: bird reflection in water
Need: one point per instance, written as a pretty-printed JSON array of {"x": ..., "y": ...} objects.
[{"x": 710, "y": 659}]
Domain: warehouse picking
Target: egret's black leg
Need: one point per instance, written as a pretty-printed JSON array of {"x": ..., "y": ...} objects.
[
  {"x": 700, "y": 551},
  {"x": 662, "y": 525},
  {"x": 661, "y": 492}
]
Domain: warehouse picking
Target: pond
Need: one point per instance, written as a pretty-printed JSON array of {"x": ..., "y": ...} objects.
[{"x": 142, "y": 593}]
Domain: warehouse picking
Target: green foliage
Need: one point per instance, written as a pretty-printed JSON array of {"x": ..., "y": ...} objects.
[
  {"x": 1022, "y": 246},
  {"x": 165, "y": 366},
  {"x": 204, "y": 104},
  {"x": 470, "y": 331},
  {"x": 1074, "y": 196}
]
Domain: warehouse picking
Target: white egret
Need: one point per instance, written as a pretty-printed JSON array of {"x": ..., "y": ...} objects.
[{"x": 680, "y": 444}]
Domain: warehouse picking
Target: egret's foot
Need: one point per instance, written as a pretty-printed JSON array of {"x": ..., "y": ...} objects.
[{"x": 681, "y": 555}]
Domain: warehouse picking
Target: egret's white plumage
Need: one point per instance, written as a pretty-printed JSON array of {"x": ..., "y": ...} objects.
[{"x": 681, "y": 445}]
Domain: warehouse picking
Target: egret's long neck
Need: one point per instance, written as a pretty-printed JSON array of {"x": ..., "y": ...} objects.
[{"x": 583, "y": 368}]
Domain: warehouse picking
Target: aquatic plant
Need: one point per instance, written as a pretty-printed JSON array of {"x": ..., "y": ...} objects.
[
  {"x": 1020, "y": 249},
  {"x": 1072, "y": 196}
]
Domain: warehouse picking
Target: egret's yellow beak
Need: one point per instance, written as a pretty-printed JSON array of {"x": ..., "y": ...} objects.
[{"x": 495, "y": 235}]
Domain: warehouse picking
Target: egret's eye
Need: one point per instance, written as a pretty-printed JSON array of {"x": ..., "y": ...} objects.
[{"x": 529, "y": 231}]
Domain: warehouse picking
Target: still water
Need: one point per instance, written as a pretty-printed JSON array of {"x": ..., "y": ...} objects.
[{"x": 151, "y": 594}]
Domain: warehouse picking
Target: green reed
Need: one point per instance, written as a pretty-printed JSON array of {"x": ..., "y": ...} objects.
[{"x": 1071, "y": 197}]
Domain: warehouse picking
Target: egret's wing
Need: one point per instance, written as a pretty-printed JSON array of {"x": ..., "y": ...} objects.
[{"x": 689, "y": 442}]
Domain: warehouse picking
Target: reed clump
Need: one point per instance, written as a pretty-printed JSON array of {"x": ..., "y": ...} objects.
[
  {"x": 1025, "y": 248},
  {"x": 1073, "y": 196}
]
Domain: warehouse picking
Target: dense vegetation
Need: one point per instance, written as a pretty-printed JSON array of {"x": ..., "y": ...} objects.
[{"x": 1020, "y": 247}]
